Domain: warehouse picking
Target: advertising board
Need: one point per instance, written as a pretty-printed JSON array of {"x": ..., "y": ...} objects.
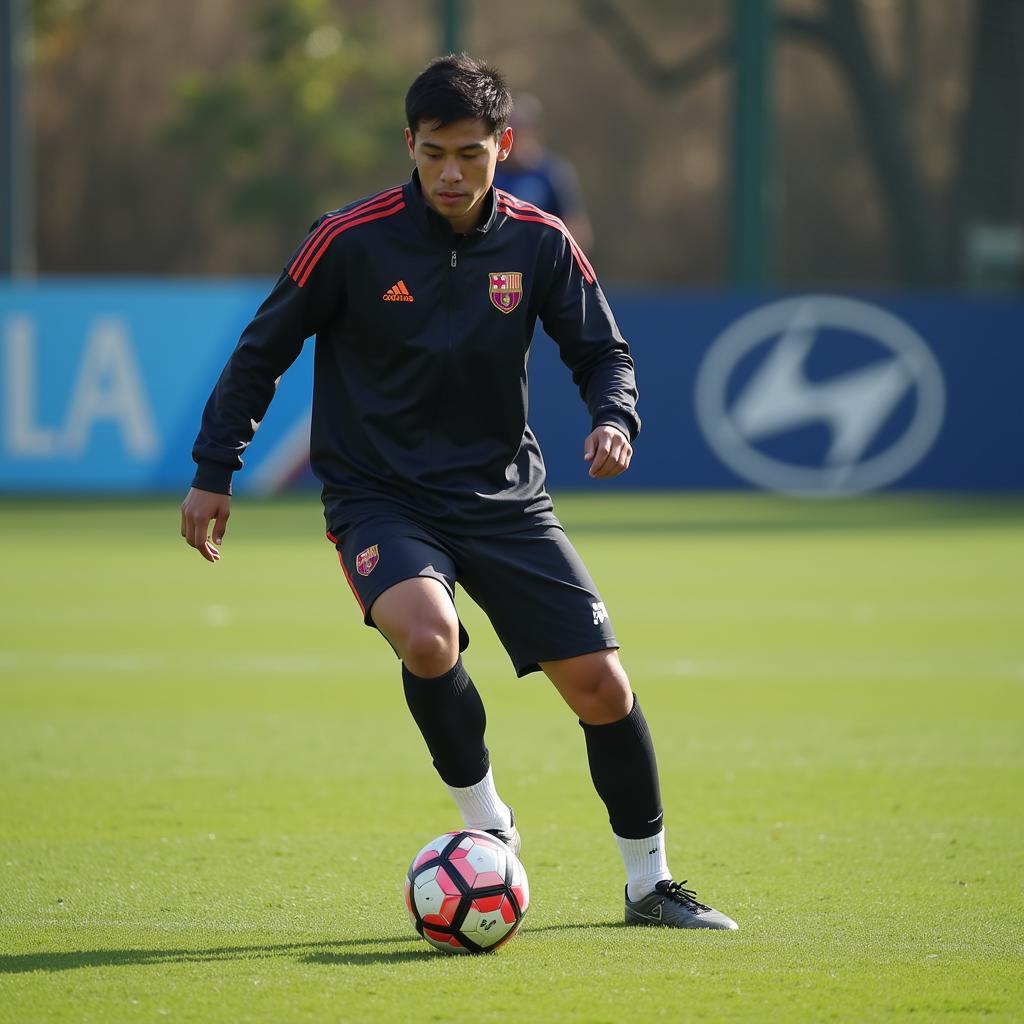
[{"x": 102, "y": 386}]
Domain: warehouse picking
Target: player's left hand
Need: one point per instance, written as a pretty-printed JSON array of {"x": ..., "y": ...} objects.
[{"x": 608, "y": 451}]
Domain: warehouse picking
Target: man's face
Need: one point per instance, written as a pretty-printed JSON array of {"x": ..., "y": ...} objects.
[{"x": 456, "y": 164}]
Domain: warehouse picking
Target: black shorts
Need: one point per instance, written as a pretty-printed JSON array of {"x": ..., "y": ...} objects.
[{"x": 531, "y": 584}]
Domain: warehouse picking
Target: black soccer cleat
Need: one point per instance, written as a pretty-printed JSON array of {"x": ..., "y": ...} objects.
[
  {"x": 672, "y": 906},
  {"x": 509, "y": 836}
]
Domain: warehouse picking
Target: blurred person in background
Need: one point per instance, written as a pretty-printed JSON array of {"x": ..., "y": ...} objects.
[{"x": 536, "y": 175}]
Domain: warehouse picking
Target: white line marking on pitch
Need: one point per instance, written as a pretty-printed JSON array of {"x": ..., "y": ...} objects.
[
  {"x": 100, "y": 661},
  {"x": 834, "y": 669}
]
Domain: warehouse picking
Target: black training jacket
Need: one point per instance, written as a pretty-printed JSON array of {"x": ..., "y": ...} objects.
[{"x": 422, "y": 337}]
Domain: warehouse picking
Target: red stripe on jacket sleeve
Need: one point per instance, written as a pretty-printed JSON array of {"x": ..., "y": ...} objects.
[
  {"x": 539, "y": 217},
  {"x": 300, "y": 277},
  {"x": 333, "y": 219}
]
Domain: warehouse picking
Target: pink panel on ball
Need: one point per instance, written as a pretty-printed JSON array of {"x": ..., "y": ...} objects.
[
  {"x": 448, "y": 886},
  {"x": 487, "y": 904},
  {"x": 450, "y": 908},
  {"x": 423, "y": 858},
  {"x": 465, "y": 869},
  {"x": 445, "y": 914},
  {"x": 432, "y": 849},
  {"x": 489, "y": 878}
]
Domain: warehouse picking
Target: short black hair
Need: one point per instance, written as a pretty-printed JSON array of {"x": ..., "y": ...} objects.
[{"x": 457, "y": 87}]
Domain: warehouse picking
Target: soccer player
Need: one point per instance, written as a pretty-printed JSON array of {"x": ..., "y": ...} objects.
[{"x": 423, "y": 299}]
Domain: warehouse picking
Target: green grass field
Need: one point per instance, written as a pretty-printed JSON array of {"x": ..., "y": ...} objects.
[{"x": 210, "y": 788}]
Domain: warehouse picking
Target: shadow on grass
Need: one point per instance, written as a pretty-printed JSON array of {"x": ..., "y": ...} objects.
[
  {"x": 65, "y": 961},
  {"x": 341, "y": 953},
  {"x": 366, "y": 959}
]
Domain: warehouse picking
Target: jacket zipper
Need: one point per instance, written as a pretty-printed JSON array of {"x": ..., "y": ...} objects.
[{"x": 453, "y": 263}]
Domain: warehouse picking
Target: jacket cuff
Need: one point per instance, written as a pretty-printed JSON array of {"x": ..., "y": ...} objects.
[
  {"x": 611, "y": 419},
  {"x": 212, "y": 476}
]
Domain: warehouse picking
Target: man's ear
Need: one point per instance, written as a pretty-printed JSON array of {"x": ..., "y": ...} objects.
[
  {"x": 504, "y": 143},
  {"x": 410, "y": 141}
]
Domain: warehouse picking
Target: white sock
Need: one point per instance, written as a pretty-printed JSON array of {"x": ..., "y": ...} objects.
[
  {"x": 480, "y": 805},
  {"x": 646, "y": 864}
]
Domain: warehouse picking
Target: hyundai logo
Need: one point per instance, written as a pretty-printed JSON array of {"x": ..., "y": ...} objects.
[{"x": 820, "y": 396}]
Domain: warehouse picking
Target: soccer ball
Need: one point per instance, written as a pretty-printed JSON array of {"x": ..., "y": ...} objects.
[{"x": 466, "y": 892}]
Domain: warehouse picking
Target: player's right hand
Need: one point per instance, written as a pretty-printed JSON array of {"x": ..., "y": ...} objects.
[{"x": 197, "y": 511}]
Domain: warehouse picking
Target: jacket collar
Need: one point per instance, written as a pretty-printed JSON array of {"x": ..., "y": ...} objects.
[{"x": 432, "y": 223}]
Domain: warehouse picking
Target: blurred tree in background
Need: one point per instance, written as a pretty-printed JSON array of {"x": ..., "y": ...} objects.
[
  {"x": 204, "y": 137},
  {"x": 301, "y": 125},
  {"x": 53, "y": 19},
  {"x": 877, "y": 48}
]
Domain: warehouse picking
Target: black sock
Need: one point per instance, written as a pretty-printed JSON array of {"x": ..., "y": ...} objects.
[
  {"x": 625, "y": 774},
  {"x": 451, "y": 717}
]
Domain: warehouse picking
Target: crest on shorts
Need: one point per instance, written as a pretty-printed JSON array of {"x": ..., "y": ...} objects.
[
  {"x": 506, "y": 291},
  {"x": 366, "y": 561}
]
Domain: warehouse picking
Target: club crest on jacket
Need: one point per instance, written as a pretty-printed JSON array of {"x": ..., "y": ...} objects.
[{"x": 506, "y": 291}]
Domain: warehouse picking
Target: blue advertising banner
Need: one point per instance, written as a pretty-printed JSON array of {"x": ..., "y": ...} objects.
[
  {"x": 817, "y": 395},
  {"x": 102, "y": 385}
]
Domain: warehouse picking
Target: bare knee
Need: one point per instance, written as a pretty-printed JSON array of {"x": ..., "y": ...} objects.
[
  {"x": 605, "y": 699},
  {"x": 595, "y": 686},
  {"x": 418, "y": 618},
  {"x": 429, "y": 649}
]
